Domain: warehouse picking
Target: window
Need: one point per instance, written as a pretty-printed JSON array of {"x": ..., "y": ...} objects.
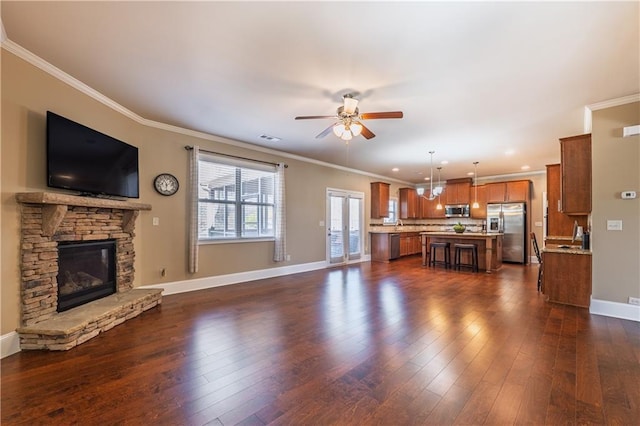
[
  {"x": 393, "y": 212},
  {"x": 236, "y": 199}
]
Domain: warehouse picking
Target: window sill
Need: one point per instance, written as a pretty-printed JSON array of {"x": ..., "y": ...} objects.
[{"x": 235, "y": 240}]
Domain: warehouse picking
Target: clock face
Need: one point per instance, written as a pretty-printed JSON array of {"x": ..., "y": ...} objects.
[{"x": 166, "y": 184}]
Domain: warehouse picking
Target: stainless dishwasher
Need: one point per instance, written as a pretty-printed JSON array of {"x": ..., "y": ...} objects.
[{"x": 394, "y": 246}]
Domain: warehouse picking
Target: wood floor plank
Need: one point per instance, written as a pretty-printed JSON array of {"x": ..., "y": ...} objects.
[{"x": 368, "y": 343}]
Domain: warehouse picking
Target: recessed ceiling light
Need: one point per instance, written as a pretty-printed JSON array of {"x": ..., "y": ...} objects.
[
  {"x": 427, "y": 178},
  {"x": 395, "y": 169},
  {"x": 270, "y": 138},
  {"x": 444, "y": 162},
  {"x": 509, "y": 152},
  {"x": 469, "y": 173},
  {"x": 525, "y": 167}
]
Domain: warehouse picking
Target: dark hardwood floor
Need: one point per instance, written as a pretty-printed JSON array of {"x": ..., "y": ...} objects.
[{"x": 388, "y": 344}]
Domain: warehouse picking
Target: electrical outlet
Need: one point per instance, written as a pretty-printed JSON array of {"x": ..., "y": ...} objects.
[
  {"x": 634, "y": 300},
  {"x": 288, "y": 257}
]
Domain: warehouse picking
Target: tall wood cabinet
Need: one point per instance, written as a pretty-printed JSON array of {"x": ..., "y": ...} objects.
[
  {"x": 558, "y": 223},
  {"x": 408, "y": 203},
  {"x": 575, "y": 160},
  {"x": 379, "y": 200}
]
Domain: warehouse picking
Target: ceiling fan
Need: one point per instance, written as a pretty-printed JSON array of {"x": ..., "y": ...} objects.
[{"x": 348, "y": 120}]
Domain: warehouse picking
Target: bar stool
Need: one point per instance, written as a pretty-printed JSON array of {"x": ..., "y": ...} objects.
[
  {"x": 473, "y": 251},
  {"x": 446, "y": 247}
]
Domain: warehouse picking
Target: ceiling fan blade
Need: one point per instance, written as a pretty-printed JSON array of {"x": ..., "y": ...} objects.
[
  {"x": 325, "y": 132},
  {"x": 368, "y": 134},
  {"x": 313, "y": 117},
  {"x": 388, "y": 114}
]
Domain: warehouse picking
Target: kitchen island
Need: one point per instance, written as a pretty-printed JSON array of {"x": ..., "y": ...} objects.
[{"x": 489, "y": 246}]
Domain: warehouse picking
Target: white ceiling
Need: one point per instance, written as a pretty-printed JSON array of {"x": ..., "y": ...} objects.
[{"x": 497, "y": 83}]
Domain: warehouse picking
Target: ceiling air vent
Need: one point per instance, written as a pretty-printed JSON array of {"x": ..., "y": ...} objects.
[{"x": 269, "y": 138}]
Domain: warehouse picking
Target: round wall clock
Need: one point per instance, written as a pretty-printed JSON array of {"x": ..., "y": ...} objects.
[{"x": 166, "y": 184}]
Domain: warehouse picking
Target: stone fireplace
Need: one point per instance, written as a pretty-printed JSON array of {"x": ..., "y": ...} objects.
[{"x": 65, "y": 241}]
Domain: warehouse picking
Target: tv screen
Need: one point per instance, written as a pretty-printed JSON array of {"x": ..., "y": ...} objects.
[{"x": 85, "y": 160}]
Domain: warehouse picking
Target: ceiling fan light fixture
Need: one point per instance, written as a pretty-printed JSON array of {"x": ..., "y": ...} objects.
[
  {"x": 339, "y": 129},
  {"x": 356, "y": 129},
  {"x": 420, "y": 191},
  {"x": 350, "y": 105},
  {"x": 346, "y": 135}
]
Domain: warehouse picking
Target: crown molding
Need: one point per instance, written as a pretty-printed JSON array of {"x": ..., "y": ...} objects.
[
  {"x": 588, "y": 109},
  {"x": 50, "y": 69}
]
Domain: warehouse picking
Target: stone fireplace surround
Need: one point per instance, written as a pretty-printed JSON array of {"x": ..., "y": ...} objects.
[{"x": 48, "y": 218}]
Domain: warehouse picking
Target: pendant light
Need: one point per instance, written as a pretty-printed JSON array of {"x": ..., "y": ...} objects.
[
  {"x": 420, "y": 190},
  {"x": 475, "y": 183},
  {"x": 439, "y": 205}
]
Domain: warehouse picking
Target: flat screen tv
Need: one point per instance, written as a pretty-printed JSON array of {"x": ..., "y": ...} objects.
[{"x": 85, "y": 160}]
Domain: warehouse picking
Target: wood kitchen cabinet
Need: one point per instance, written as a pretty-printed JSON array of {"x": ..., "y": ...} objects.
[
  {"x": 379, "y": 200},
  {"x": 381, "y": 245},
  {"x": 408, "y": 203},
  {"x": 567, "y": 278},
  {"x": 410, "y": 243},
  {"x": 481, "y": 211},
  {"x": 508, "y": 192},
  {"x": 558, "y": 223},
  {"x": 457, "y": 191},
  {"x": 428, "y": 209},
  {"x": 575, "y": 163}
]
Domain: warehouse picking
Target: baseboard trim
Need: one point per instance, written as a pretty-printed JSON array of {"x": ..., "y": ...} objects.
[
  {"x": 615, "y": 310},
  {"x": 9, "y": 344},
  {"x": 240, "y": 277}
]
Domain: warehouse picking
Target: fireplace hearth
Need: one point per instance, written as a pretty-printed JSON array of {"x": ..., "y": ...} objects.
[{"x": 86, "y": 272}]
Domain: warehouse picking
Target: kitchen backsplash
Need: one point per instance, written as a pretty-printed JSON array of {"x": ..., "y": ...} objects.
[{"x": 473, "y": 225}]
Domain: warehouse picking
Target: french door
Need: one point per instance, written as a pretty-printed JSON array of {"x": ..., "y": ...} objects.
[{"x": 345, "y": 223}]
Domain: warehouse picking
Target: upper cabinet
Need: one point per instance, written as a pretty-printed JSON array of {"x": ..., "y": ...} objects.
[
  {"x": 429, "y": 210},
  {"x": 575, "y": 156},
  {"x": 409, "y": 203},
  {"x": 457, "y": 191},
  {"x": 558, "y": 223},
  {"x": 508, "y": 192},
  {"x": 379, "y": 200},
  {"x": 481, "y": 211}
]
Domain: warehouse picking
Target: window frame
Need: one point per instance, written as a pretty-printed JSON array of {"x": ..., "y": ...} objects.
[{"x": 265, "y": 210}]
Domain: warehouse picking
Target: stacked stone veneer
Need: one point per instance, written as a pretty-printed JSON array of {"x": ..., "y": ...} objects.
[
  {"x": 40, "y": 254},
  {"x": 49, "y": 218}
]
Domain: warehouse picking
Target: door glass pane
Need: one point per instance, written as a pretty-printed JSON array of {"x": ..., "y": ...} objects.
[
  {"x": 355, "y": 243},
  {"x": 336, "y": 234}
]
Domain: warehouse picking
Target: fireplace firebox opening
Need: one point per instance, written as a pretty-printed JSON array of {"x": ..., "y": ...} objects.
[{"x": 86, "y": 272}]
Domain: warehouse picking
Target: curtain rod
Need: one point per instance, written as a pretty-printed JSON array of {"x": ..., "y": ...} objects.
[{"x": 189, "y": 148}]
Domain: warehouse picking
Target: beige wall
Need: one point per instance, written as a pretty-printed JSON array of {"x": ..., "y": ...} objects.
[
  {"x": 616, "y": 168},
  {"x": 28, "y": 92},
  {"x": 25, "y": 100}
]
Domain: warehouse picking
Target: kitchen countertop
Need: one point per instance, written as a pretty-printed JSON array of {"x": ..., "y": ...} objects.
[
  {"x": 572, "y": 249},
  {"x": 463, "y": 234},
  {"x": 405, "y": 229}
]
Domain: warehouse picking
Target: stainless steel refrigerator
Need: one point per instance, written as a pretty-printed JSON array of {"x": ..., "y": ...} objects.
[{"x": 511, "y": 219}]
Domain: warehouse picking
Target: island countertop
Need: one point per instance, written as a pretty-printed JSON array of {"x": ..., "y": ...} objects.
[{"x": 462, "y": 234}]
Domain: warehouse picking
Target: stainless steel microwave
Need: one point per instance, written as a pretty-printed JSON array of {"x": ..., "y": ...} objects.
[{"x": 457, "y": 210}]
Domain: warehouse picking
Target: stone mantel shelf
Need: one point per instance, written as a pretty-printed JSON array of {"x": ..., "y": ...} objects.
[{"x": 55, "y": 206}]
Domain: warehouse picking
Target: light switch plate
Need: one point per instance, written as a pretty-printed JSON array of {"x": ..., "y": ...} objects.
[{"x": 614, "y": 225}]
